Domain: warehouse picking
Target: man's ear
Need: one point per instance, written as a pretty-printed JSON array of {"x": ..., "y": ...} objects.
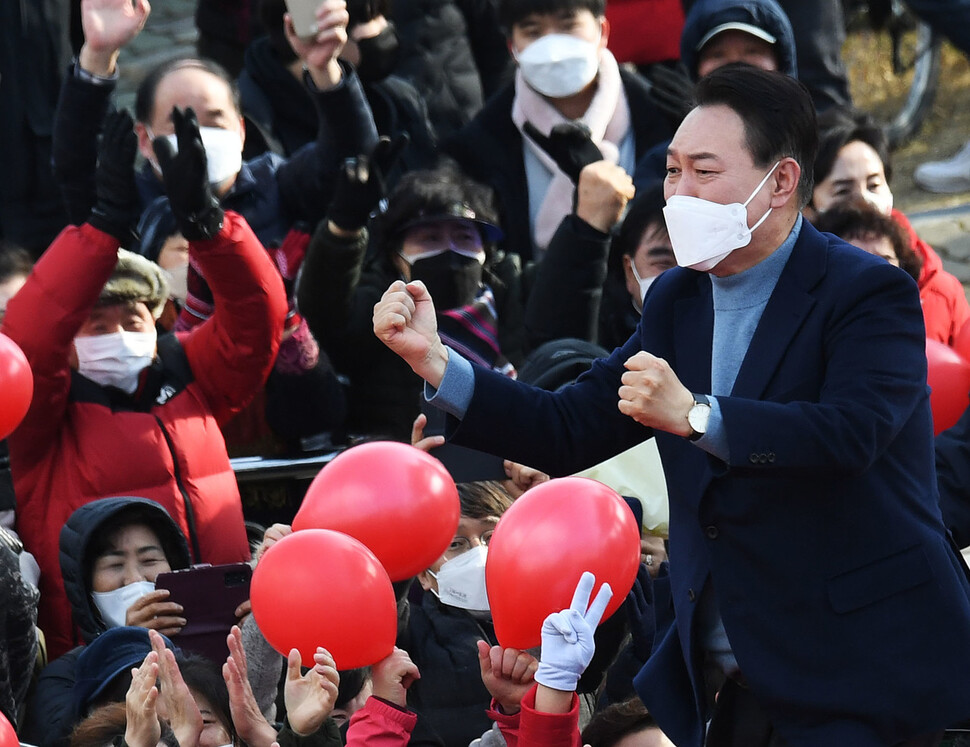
[
  {"x": 426, "y": 581},
  {"x": 785, "y": 180},
  {"x": 604, "y": 31},
  {"x": 144, "y": 142},
  {"x": 242, "y": 131}
]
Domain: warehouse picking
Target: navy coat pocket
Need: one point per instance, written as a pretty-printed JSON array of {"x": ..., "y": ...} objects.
[{"x": 879, "y": 579}]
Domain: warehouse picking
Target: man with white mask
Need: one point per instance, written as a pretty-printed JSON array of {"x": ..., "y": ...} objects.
[
  {"x": 785, "y": 386},
  {"x": 118, "y": 409},
  {"x": 565, "y": 74}
]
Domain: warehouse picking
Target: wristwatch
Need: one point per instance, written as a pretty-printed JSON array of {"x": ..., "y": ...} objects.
[{"x": 697, "y": 416}]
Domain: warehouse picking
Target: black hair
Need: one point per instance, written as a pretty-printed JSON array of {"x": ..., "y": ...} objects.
[
  {"x": 351, "y": 682},
  {"x": 484, "y": 498},
  {"x": 777, "y": 112},
  {"x": 646, "y": 208},
  {"x": 14, "y": 260},
  {"x": 205, "y": 678},
  {"x": 271, "y": 18},
  {"x": 839, "y": 127},
  {"x": 431, "y": 192},
  {"x": 511, "y": 12},
  {"x": 613, "y": 723},
  {"x": 145, "y": 96},
  {"x": 860, "y": 220},
  {"x": 173, "y": 545}
]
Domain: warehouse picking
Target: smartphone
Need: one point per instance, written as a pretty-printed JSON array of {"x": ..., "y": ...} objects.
[
  {"x": 304, "y": 14},
  {"x": 209, "y": 594}
]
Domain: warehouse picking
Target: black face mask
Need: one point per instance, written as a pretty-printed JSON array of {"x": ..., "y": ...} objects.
[
  {"x": 452, "y": 279},
  {"x": 378, "y": 55}
]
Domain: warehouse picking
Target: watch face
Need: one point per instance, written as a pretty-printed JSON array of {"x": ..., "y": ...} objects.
[{"x": 698, "y": 416}]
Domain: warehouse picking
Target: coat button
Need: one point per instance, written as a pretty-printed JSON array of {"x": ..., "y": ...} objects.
[
  {"x": 691, "y": 595},
  {"x": 711, "y": 532},
  {"x": 753, "y": 458}
]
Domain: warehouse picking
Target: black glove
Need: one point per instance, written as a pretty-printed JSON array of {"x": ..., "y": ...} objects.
[
  {"x": 641, "y": 614},
  {"x": 672, "y": 91},
  {"x": 361, "y": 183},
  {"x": 195, "y": 208},
  {"x": 116, "y": 208},
  {"x": 569, "y": 145}
]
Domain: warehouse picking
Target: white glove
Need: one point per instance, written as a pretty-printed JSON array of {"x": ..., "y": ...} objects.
[{"x": 567, "y": 636}]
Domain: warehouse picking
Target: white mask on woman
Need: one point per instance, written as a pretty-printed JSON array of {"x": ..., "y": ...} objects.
[{"x": 113, "y": 605}]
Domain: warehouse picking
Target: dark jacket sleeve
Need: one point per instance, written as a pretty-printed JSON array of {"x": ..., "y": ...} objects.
[
  {"x": 327, "y": 735},
  {"x": 347, "y": 129},
  {"x": 81, "y": 110},
  {"x": 953, "y": 477},
  {"x": 565, "y": 297}
]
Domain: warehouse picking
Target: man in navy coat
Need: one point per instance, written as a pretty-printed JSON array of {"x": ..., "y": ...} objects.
[{"x": 784, "y": 379}]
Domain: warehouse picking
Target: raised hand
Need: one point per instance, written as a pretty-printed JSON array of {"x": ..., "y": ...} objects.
[
  {"x": 567, "y": 636},
  {"x": 507, "y": 674},
  {"x": 153, "y": 611},
  {"x": 142, "y": 728},
  {"x": 108, "y": 26},
  {"x": 521, "y": 478},
  {"x": 393, "y": 675},
  {"x": 320, "y": 52},
  {"x": 310, "y": 698},
  {"x": 602, "y": 194},
  {"x": 251, "y": 725},
  {"x": 176, "y": 702},
  {"x": 195, "y": 207},
  {"x": 652, "y": 395},
  {"x": 361, "y": 184},
  {"x": 116, "y": 208},
  {"x": 568, "y": 144},
  {"x": 404, "y": 320},
  {"x": 419, "y": 440}
]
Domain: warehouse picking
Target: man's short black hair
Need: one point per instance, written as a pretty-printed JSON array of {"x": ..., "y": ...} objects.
[
  {"x": 483, "y": 499},
  {"x": 145, "y": 96},
  {"x": 839, "y": 127},
  {"x": 511, "y": 12},
  {"x": 777, "y": 112}
]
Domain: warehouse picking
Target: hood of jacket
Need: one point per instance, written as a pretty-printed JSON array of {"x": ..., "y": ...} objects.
[
  {"x": 76, "y": 539},
  {"x": 705, "y": 15}
]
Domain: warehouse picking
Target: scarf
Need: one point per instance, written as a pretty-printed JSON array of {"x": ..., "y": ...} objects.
[
  {"x": 608, "y": 118},
  {"x": 472, "y": 331}
]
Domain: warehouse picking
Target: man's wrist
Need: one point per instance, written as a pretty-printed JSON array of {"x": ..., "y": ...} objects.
[
  {"x": 326, "y": 77},
  {"x": 432, "y": 367},
  {"x": 101, "y": 63}
]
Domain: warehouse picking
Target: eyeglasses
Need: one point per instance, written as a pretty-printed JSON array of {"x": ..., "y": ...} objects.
[{"x": 460, "y": 545}]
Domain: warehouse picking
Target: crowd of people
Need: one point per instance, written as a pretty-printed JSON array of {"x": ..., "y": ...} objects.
[{"x": 452, "y": 212}]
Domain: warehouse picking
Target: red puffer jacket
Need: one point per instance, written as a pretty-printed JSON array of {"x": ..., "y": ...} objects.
[
  {"x": 80, "y": 441},
  {"x": 945, "y": 307}
]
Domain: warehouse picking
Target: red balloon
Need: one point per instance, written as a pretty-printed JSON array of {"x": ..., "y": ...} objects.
[
  {"x": 961, "y": 343},
  {"x": 541, "y": 547},
  {"x": 323, "y": 588},
  {"x": 16, "y": 385},
  {"x": 399, "y": 501},
  {"x": 8, "y": 737},
  {"x": 949, "y": 378}
]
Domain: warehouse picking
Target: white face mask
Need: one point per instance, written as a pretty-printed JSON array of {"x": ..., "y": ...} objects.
[
  {"x": 703, "y": 233},
  {"x": 559, "y": 65},
  {"x": 178, "y": 278},
  {"x": 115, "y": 359},
  {"x": 881, "y": 201},
  {"x": 113, "y": 605},
  {"x": 644, "y": 283},
  {"x": 461, "y": 580},
  {"x": 223, "y": 152}
]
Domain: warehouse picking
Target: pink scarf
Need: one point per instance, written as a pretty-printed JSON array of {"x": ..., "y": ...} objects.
[{"x": 608, "y": 118}]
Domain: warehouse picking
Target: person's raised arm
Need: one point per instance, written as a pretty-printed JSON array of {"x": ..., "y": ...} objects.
[
  {"x": 385, "y": 719},
  {"x": 108, "y": 26},
  {"x": 232, "y": 352}
]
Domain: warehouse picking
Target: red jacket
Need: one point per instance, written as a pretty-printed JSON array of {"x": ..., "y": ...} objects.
[
  {"x": 945, "y": 307},
  {"x": 80, "y": 441},
  {"x": 380, "y": 724},
  {"x": 530, "y": 728}
]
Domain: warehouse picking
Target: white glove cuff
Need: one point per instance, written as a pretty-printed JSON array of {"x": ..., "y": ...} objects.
[{"x": 557, "y": 679}]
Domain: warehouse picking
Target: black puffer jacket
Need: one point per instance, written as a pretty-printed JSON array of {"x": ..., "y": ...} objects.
[
  {"x": 452, "y": 51},
  {"x": 77, "y": 535}
]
